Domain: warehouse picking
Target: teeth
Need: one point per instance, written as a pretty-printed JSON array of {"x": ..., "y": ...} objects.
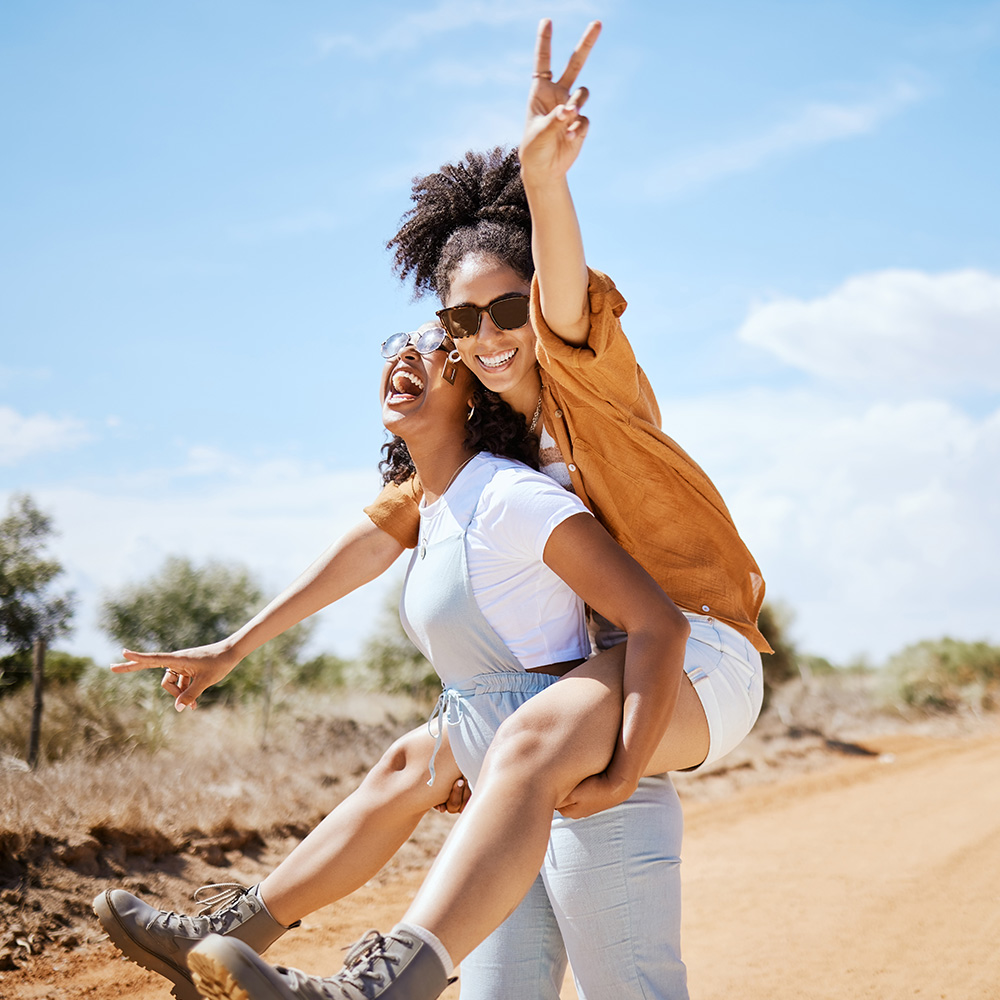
[
  {"x": 407, "y": 383},
  {"x": 496, "y": 360}
]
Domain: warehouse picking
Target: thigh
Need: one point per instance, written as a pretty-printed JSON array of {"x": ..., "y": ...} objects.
[
  {"x": 523, "y": 959},
  {"x": 563, "y": 733},
  {"x": 570, "y": 729},
  {"x": 686, "y": 740},
  {"x": 614, "y": 883}
]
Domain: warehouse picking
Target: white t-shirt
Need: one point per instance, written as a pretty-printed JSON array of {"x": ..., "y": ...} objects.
[{"x": 539, "y": 618}]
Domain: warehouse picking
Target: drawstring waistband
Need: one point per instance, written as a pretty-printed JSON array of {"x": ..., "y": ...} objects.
[
  {"x": 449, "y": 703},
  {"x": 448, "y": 708}
]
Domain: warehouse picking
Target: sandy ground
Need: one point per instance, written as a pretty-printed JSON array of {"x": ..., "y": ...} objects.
[{"x": 873, "y": 877}]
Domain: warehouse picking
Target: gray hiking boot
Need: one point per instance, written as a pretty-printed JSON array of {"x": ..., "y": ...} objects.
[
  {"x": 159, "y": 940},
  {"x": 395, "y": 967}
]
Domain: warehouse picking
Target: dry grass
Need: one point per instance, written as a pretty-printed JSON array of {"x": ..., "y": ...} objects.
[
  {"x": 200, "y": 797},
  {"x": 203, "y": 773}
]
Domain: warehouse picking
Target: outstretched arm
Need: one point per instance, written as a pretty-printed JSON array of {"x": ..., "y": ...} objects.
[
  {"x": 553, "y": 135},
  {"x": 363, "y": 554}
]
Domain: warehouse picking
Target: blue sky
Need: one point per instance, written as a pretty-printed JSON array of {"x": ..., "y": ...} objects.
[{"x": 798, "y": 200}]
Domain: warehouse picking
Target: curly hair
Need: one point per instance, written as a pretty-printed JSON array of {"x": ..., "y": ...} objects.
[
  {"x": 494, "y": 426},
  {"x": 477, "y": 205}
]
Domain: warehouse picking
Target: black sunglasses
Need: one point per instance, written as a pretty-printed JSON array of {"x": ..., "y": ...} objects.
[
  {"x": 508, "y": 312},
  {"x": 426, "y": 343}
]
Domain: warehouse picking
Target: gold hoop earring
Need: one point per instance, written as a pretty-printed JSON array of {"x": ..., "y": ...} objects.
[{"x": 472, "y": 410}]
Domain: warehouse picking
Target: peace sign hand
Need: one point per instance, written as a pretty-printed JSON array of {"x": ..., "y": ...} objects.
[{"x": 555, "y": 129}]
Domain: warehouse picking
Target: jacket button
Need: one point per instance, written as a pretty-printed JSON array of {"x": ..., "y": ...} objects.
[
  {"x": 559, "y": 414},
  {"x": 571, "y": 467},
  {"x": 705, "y": 607}
]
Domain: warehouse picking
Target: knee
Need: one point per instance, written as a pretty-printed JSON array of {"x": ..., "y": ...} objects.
[
  {"x": 524, "y": 745},
  {"x": 403, "y": 766}
]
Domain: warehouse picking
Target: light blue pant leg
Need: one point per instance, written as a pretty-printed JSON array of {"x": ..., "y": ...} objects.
[
  {"x": 611, "y": 891},
  {"x": 614, "y": 883},
  {"x": 523, "y": 959}
]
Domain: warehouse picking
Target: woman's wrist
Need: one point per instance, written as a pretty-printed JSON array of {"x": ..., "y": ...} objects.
[
  {"x": 623, "y": 774},
  {"x": 232, "y": 651},
  {"x": 541, "y": 186}
]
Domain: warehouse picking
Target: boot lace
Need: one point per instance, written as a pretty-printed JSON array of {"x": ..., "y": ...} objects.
[
  {"x": 215, "y": 915},
  {"x": 362, "y": 962},
  {"x": 358, "y": 978}
]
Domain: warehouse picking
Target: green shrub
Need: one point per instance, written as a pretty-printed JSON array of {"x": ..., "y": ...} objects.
[
  {"x": 945, "y": 675},
  {"x": 321, "y": 672},
  {"x": 60, "y": 668},
  {"x": 774, "y": 622}
]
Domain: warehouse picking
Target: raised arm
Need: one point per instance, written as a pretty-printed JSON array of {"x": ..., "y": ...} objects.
[
  {"x": 363, "y": 554},
  {"x": 553, "y": 135}
]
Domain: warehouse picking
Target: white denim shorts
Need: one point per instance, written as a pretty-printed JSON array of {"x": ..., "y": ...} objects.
[{"x": 727, "y": 675}]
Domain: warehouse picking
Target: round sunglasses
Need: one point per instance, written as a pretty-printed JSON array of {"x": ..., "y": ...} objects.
[
  {"x": 508, "y": 312},
  {"x": 426, "y": 343}
]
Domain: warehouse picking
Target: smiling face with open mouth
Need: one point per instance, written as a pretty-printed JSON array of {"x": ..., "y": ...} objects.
[
  {"x": 504, "y": 360},
  {"x": 415, "y": 393},
  {"x": 404, "y": 384}
]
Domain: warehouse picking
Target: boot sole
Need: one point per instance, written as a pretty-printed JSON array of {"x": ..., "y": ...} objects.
[
  {"x": 184, "y": 988},
  {"x": 214, "y": 981},
  {"x": 229, "y": 969}
]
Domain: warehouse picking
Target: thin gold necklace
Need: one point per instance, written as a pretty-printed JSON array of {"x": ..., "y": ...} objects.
[
  {"x": 538, "y": 413},
  {"x": 455, "y": 474}
]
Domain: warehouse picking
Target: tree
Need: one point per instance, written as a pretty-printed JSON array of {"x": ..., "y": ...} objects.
[
  {"x": 184, "y": 605},
  {"x": 31, "y": 616}
]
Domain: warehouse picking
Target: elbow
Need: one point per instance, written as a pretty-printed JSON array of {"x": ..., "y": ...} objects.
[
  {"x": 661, "y": 621},
  {"x": 677, "y": 625},
  {"x": 671, "y": 623}
]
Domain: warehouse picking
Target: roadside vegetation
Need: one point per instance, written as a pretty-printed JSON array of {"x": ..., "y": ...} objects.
[{"x": 101, "y": 779}]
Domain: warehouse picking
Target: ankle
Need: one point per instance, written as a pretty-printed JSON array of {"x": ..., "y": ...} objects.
[
  {"x": 431, "y": 940},
  {"x": 280, "y": 915}
]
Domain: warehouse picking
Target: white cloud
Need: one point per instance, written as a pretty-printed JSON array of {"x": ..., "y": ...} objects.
[
  {"x": 275, "y": 518},
  {"x": 416, "y": 28},
  {"x": 875, "y": 522},
  {"x": 912, "y": 328},
  {"x": 22, "y": 436},
  {"x": 816, "y": 124}
]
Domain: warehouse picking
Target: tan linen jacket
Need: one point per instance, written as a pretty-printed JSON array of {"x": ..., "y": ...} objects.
[{"x": 653, "y": 498}]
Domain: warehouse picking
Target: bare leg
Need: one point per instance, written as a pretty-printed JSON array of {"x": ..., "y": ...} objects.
[
  {"x": 364, "y": 831},
  {"x": 538, "y": 756}
]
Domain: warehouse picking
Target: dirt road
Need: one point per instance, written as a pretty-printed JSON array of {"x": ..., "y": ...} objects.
[{"x": 877, "y": 877}]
